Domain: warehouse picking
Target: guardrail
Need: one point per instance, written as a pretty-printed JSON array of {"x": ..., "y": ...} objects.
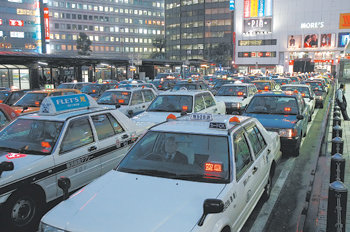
[{"x": 337, "y": 192}]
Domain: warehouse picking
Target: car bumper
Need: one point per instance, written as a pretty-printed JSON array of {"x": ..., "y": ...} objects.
[{"x": 288, "y": 144}]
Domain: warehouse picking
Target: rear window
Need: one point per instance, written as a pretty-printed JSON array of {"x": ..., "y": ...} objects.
[
  {"x": 31, "y": 99},
  {"x": 273, "y": 105},
  {"x": 114, "y": 97}
]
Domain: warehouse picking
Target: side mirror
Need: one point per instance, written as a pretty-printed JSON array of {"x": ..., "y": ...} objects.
[
  {"x": 211, "y": 206},
  {"x": 300, "y": 117},
  {"x": 311, "y": 98},
  {"x": 130, "y": 113},
  {"x": 117, "y": 105},
  {"x": 24, "y": 108},
  {"x": 64, "y": 184},
  {"x": 6, "y": 166}
]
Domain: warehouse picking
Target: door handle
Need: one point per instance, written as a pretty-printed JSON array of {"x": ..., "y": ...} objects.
[
  {"x": 92, "y": 148},
  {"x": 215, "y": 109},
  {"x": 268, "y": 151},
  {"x": 255, "y": 169},
  {"x": 125, "y": 136},
  {"x": 143, "y": 106}
]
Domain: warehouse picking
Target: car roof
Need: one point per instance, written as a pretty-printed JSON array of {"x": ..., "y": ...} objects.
[
  {"x": 66, "y": 115},
  {"x": 188, "y": 126},
  {"x": 296, "y": 85},
  {"x": 184, "y": 92},
  {"x": 238, "y": 84},
  {"x": 53, "y": 90},
  {"x": 126, "y": 89}
]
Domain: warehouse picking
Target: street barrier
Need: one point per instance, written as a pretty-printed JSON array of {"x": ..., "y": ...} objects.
[
  {"x": 337, "y": 145},
  {"x": 336, "y": 215},
  {"x": 337, "y": 168},
  {"x": 337, "y": 131},
  {"x": 336, "y": 107},
  {"x": 336, "y": 114},
  {"x": 336, "y": 121}
]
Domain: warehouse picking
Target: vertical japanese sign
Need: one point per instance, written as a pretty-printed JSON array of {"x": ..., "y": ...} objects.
[
  {"x": 268, "y": 8},
  {"x": 246, "y": 8},
  {"x": 261, "y": 8},
  {"x": 232, "y": 5},
  {"x": 253, "y": 8},
  {"x": 47, "y": 24}
]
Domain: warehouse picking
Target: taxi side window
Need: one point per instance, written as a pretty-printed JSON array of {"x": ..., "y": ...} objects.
[
  {"x": 243, "y": 157},
  {"x": 198, "y": 103},
  {"x": 136, "y": 98},
  {"x": 148, "y": 95},
  {"x": 209, "y": 100},
  {"x": 256, "y": 140},
  {"x": 78, "y": 134},
  {"x": 55, "y": 94},
  {"x": 103, "y": 126},
  {"x": 69, "y": 93},
  {"x": 260, "y": 137},
  {"x": 116, "y": 126}
]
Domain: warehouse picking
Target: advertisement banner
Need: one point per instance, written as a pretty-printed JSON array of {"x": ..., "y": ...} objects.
[
  {"x": 343, "y": 39},
  {"x": 344, "y": 21},
  {"x": 326, "y": 40},
  {"x": 268, "y": 8},
  {"x": 311, "y": 41},
  {"x": 46, "y": 22},
  {"x": 261, "y": 8},
  {"x": 253, "y": 8},
  {"x": 246, "y": 9},
  {"x": 232, "y": 5},
  {"x": 294, "y": 41}
]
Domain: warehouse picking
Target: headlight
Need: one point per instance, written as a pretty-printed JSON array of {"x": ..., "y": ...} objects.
[
  {"x": 236, "y": 105},
  {"x": 288, "y": 133},
  {"x": 47, "y": 228}
]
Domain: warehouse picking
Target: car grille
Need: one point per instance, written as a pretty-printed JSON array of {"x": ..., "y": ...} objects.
[{"x": 273, "y": 129}]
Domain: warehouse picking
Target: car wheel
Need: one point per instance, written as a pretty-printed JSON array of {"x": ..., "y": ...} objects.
[
  {"x": 22, "y": 211},
  {"x": 296, "y": 150},
  {"x": 321, "y": 105},
  {"x": 268, "y": 187}
]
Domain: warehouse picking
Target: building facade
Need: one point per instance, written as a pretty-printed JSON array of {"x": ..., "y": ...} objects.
[
  {"x": 287, "y": 36},
  {"x": 195, "y": 28}
]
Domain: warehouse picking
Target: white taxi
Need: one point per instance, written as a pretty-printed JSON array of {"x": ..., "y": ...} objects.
[
  {"x": 192, "y": 101},
  {"x": 70, "y": 136},
  {"x": 130, "y": 101},
  {"x": 200, "y": 172},
  {"x": 236, "y": 96}
]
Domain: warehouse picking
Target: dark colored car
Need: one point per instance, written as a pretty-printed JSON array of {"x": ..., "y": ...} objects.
[
  {"x": 319, "y": 90},
  {"x": 96, "y": 90},
  {"x": 10, "y": 97},
  {"x": 283, "y": 112},
  {"x": 219, "y": 84},
  {"x": 190, "y": 85},
  {"x": 165, "y": 84}
]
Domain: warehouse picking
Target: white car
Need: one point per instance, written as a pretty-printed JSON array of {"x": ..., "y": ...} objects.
[
  {"x": 192, "y": 101},
  {"x": 130, "y": 101},
  {"x": 236, "y": 96},
  {"x": 200, "y": 172},
  {"x": 307, "y": 94},
  {"x": 70, "y": 136}
]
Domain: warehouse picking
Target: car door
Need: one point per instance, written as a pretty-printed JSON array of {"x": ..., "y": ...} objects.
[
  {"x": 78, "y": 153},
  {"x": 244, "y": 177},
  {"x": 304, "y": 110},
  {"x": 112, "y": 138},
  {"x": 199, "y": 105},
  {"x": 210, "y": 104},
  {"x": 261, "y": 153},
  {"x": 136, "y": 102},
  {"x": 148, "y": 96}
]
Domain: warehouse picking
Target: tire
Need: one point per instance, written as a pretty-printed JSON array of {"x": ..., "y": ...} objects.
[
  {"x": 22, "y": 211},
  {"x": 321, "y": 105},
  {"x": 296, "y": 151},
  {"x": 267, "y": 193}
]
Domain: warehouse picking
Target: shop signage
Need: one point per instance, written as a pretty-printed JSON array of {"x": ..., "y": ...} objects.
[
  {"x": 312, "y": 25},
  {"x": 46, "y": 22},
  {"x": 16, "y": 34},
  {"x": 232, "y": 4},
  {"x": 257, "y": 25},
  {"x": 344, "y": 21},
  {"x": 257, "y": 8}
]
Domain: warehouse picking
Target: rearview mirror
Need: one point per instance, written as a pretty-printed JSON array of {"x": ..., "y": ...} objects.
[{"x": 117, "y": 105}]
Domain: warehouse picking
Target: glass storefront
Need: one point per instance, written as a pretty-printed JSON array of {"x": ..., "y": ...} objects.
[{"x": 15, "y": 76}]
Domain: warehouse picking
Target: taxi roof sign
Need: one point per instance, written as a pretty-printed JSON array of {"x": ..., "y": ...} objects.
[{"x": 61, "y": 104}]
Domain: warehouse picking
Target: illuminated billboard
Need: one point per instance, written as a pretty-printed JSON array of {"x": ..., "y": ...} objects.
[
  {"x": 257, "y": 25},
  {"x": 257, "y": 8},
  {"x": 343, "y": 39}
]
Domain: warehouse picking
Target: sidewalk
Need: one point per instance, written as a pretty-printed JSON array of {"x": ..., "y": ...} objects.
[{"x": 324, "y": 164}]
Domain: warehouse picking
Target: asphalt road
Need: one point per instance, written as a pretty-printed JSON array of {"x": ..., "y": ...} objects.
[{"x": 291, "y": 184}]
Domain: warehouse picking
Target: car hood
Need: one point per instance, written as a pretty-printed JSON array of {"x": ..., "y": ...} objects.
[
  {"x": 275, "y": 120},
  {"x": 229, "y": 98},
  {"x": 20, "y": 161},
  {"x": 153, "y": 117},
  {"x": 133, "y": 202}
]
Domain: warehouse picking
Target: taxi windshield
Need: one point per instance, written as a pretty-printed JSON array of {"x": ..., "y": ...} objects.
[
  {"x": 28, "y": 136},
  {"x": 273, "y": 105},
  {"x": 304, "y": 91},
  {"x": 185, "y": 87},
  {"x": 91, "y": 89},
  {"x": 114, "y": 97},
  {"x": 281, "y": 81},
  {"x": 4, "y": 95},
  {"x": 171, "y": 103},
  {"x": 31, "y": 99},
  {"x": 66, "y": 86},
  {"x": 263, "y": 85},
  {"x": 232, "y": 91},
  {"x": 191, "y": 157}
]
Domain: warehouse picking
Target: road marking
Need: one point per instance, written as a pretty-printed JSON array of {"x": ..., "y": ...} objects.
[{"x": 267, "y": 208}]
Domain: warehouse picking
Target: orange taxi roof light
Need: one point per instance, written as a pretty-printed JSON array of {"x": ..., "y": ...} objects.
[
  {"x": 295, "y": 91},
  {"x": 121, "y": 100},
  {"x": 266, "y": 88},
  {"x": 37, "y": 103},
  {"x": 234, "y": 119},
  {"x": 171, "y": 117}
]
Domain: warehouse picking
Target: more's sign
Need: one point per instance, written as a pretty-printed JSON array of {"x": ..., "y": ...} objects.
[
  {"x": 257, "y": 25},
  {"x": 344, "y": 21}
]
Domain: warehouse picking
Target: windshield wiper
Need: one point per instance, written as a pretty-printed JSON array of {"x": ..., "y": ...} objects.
[{"x": 149, "y": 172}]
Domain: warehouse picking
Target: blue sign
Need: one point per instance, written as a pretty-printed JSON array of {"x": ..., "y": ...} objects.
[
  {"x": 261, "y": 8},
  {"x": 70, "y": 102},
  {"x": 232, "y": 4}
]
